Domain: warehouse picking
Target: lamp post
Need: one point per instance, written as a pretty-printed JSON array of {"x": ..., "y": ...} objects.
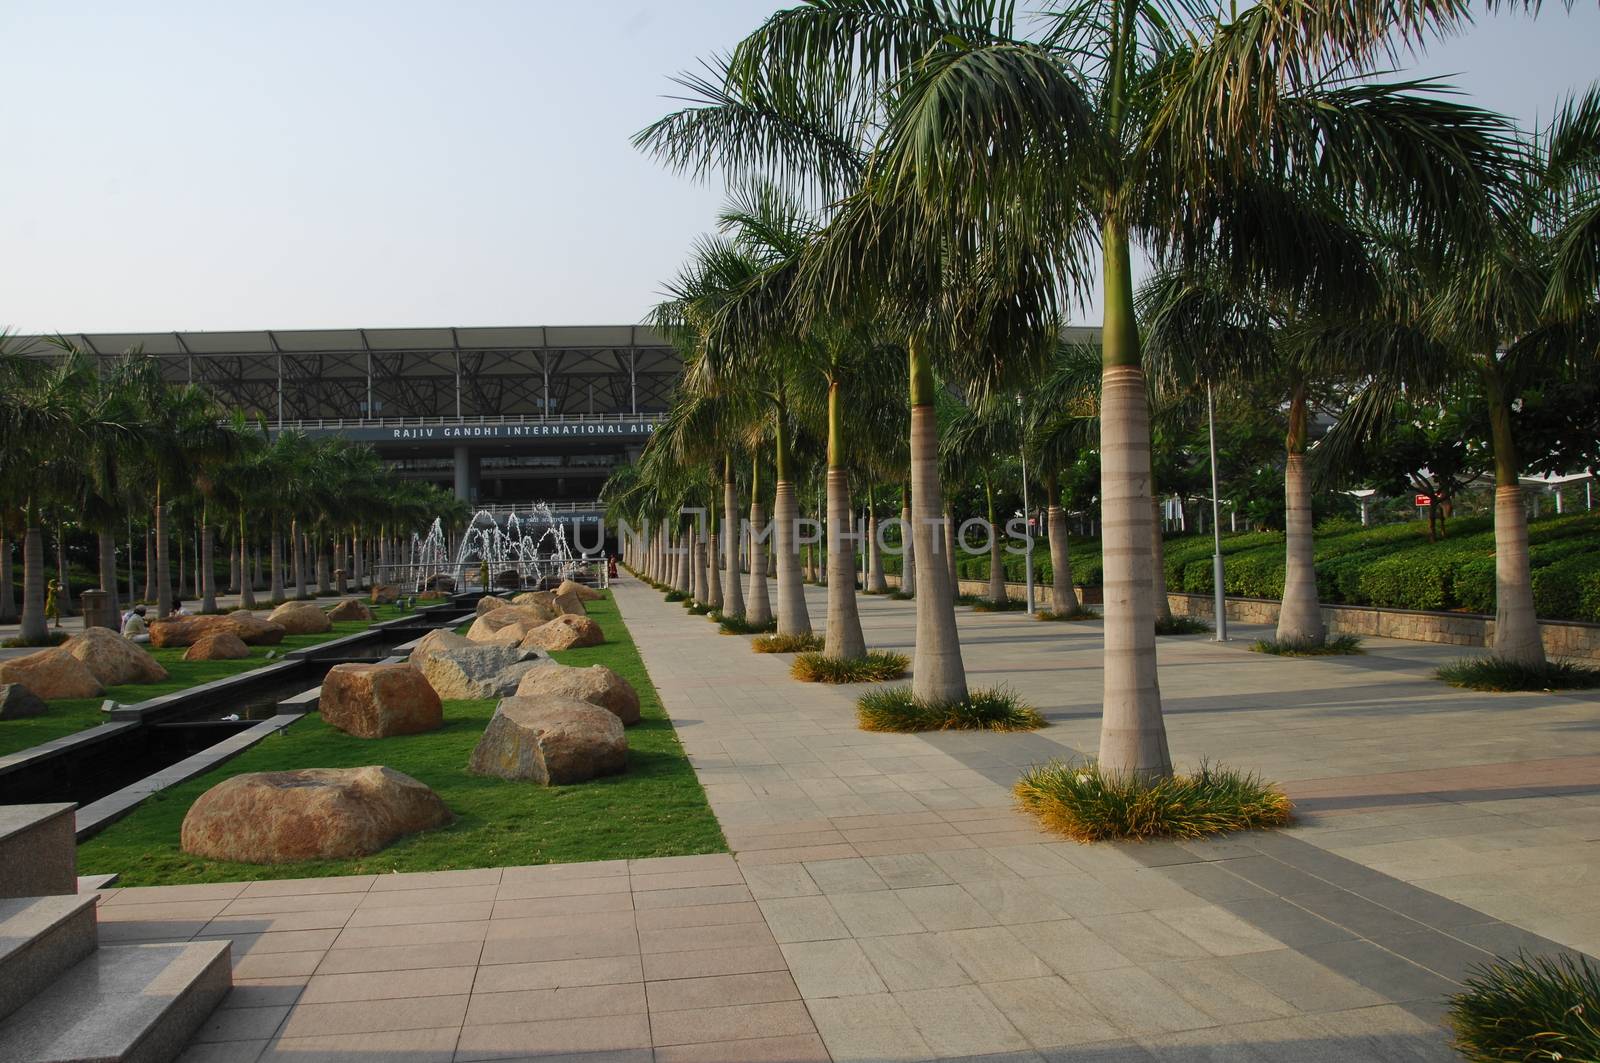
[
  {"x": 1216, "y": 528},
  {"x": 1027, "y": 514}
]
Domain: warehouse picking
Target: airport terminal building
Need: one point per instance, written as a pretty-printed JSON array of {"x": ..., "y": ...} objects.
[{"x": 503, "y": 416}]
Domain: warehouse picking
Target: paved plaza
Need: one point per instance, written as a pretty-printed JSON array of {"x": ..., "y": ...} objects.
[{"x": 884, "y": 902}]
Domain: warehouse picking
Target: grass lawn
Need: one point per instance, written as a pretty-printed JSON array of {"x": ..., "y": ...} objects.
[
  {"x": 656, "y": 808},
  {"x": 70, "y": 715}
]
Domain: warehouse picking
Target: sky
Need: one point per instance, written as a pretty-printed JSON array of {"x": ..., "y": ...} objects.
[{"x": 377, "y": 163}]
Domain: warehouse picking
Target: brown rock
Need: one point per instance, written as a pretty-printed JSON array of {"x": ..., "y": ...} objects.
[
  {"x": 550, "y": 741},
  {"x": 568, "y": 604},
  {"x": 310, "y": 814},
  {"x": 383, "y": 594},
  {"x": 350, "y": 609},
  {"x": 563, "y": 633},
  {"x": 579, "y": 590},
  {"x": 52, "y": 674},
  {"x": 436, "y": 641},
  {"x": 490, "y": 623},
  {"x": 488, "y": 604},
  {"x": 597, "y": 684},
  {"x": 18, "y": 702},
  {"x": 217, "y": 646},
  {"x": 242, "y": 624},
  {"x": 301, "y": 618},
  {"x": 379, "y": 700},
  {"x": 113, "y": 659},
  {"x": 541, "y": 598}
]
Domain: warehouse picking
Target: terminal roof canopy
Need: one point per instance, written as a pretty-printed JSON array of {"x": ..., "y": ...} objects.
[{"x": 355, "y": 340}]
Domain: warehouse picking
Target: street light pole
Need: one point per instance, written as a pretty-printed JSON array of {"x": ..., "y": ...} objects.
[
  {"x": 1027, "y": 514},
  {"x": 1216, "y": 528}
]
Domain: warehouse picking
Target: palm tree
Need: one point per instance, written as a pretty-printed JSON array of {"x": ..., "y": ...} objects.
[{"x": 1060, "y": 418}]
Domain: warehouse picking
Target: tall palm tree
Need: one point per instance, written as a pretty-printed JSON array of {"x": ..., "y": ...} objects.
[{"x": 1060, "y": 419}]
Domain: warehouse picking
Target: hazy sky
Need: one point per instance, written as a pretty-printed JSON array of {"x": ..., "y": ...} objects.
[{"x": 226, "y": 164}]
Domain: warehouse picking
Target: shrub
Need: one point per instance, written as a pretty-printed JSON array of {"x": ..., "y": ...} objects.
[
  {"x": 1498, "y": 674},
  {"x": 738, "y": 625},
  {"x": 1339, "y": 645},
  {"x": 676, "y": 596},
  {"x": 879, "y": 666},
  {"x": 699, "y": 608},
  {"x": 1079, "y": 613},
  {"x": 1182, "y": 625},
  {"x": 1006, "y": 605},
  {"x": 896, "y": 709},
  {"x": 1530, "y": 1008},
  {"x": 786, "y": 643},
  {"x": 54, "y": 638},
  {"x": 1078, "y": 800},
  {"x": 900, "y": 596}
]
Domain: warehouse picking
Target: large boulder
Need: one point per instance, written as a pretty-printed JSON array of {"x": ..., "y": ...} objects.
[
  {"x": 113, "y": 659},
  {"x": 18, "y": 702},
  {"x": 526, "y": 617},
  {"x": 567, "y": 604},
  {"x": 579, "y": 590},
  {"x": 217, "y": 646},
  {"x": 350, "y": 609},
  {"x": 596, "y": 684},
  {"x": 438, "y": 640},
  {"x": 52, "y": 674},
  {"x": 383, "y": 594},
  {"x": 563, "y": 633},
  {"x": 550, "y": 741},
  {"x": 478, "y": 671},
  {"x": 301, "y": 618},
  {"x": 488, "y": 604},
  {"x": 242, "y": 624},
  {"x": 279, "y": 817},
  {"x": 379, "y": 700}
]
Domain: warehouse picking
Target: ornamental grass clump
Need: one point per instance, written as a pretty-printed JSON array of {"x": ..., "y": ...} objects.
[
  {"x": 676, "y": 596},
  {"x": 1078, "y": 800},
  {"x": 1181, "y": 625},
  {"x": 896, "y": 709},
  {"x": 1497, "y": 673},
  {"x": 699, "y": 608},
  {"x": 1530, "y": 1008},
  {"x": 786, "y": 643},
  {"x": 878, "y": 666},
  {"x": 1334, "y": 647},
  {"x": 998, "y": 605},
  {"x": 738, "y": 625},
  {"x": 1079, "y": 613}
]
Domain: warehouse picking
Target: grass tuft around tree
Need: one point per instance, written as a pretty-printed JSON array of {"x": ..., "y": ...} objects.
[
  {"x": 1342, "y": 645},
  {"x": 879, "y": 666},
  {"x": 1182, "y": 625},
  {"x": 897, "y": 710},
  {"x": 786, "y": 643},
  {"x": 655, "y": 808},
  {"x": 1530, "y": 1008},
  {"x": 1079, "y": 613},
  {"x": 738, "y": 625},
  {"x": 1500, "y": 675},
  {"x": 1078, "y": 800}
]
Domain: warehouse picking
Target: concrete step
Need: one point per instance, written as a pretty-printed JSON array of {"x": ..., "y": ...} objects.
[
  {"x": 124, "y": 1004},
  {"x": 38, "y": 850},
  {"x": 39, "y": 938},
  {"x": 90, "y": 883}
]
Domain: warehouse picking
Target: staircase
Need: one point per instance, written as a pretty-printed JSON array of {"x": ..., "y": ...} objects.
[{"x": 63, "y": 999}]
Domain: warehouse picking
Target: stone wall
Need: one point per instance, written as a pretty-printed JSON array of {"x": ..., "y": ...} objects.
[{"x": 1561, "y": 638}]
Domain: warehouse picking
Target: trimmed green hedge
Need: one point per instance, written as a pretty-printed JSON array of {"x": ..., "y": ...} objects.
[{"x": 1392, "y": 565}]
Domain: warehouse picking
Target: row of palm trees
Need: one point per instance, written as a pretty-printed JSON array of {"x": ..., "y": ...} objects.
[
  {"x": 922, "y": 187},
  {"x": 107, "y": 443}
]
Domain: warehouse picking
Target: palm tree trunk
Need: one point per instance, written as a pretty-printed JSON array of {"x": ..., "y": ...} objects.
[
  {"x": 938, "y": 674},
  {"x": 758, "y": 608},
  {"x": 34, "y": 629},
  {"x": 908, "y": 553},
  {"x": 1517, "y": 636},
  {"x": 180, "y": 589},
  {"x": 63, "y": 574},
  {"x": 277, "y": 595},
  {"x": 697, "y": 559},
  {"x": 163, "y": 564},
  {"x": 107, "y": 547},
  {"x": 793, "y": 618},
  {"x": 297, "y": 556},
  {"x": 997, "y": 568},
  {"x": 843, "y": 638},
  {"x": 208, "y": 579},
  {"x": 149, "y": 564},
  {"x": 950, "y": 545},
  {"x": 875, "y": 582},
  {"x": 1300, "y": 615},
  {"x": 322, "y": 545},
  {"x": 8, "y": 589},
  {"x": 247, "y": 583},
  {"x": 732, "y": 593},
  {"x": 1160, "y": 606},
  {"x": 1133, "y": 737},
  {"x": 1063, "y": 595}
]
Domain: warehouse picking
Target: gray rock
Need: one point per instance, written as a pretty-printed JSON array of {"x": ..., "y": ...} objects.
[
  {"x": 18, "y": 702},
  {"x": 550, "y": 741},
  {"x": 477, "y": 671}
]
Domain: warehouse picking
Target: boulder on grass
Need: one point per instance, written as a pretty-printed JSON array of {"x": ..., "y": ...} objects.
[
  {"x": 580, "y": 590},
  {"x": 563, "y": 633},
  {"x": 278, "y": 817},
  {"x": 477, "y": 671},
  {"x": 301, "y": 618},
  {"x": 596, "y": 684},
  {"x": 217, "y": 646},
  {"x": 550, "y": 741},
  {"x": 437, "y": 640},
  {"x": 350, "y": 609},
  {"x": 568, "y": 604},
  {"x": 379, "y": 700},
  {"x": 383, "y": 594},
  {"x": 113, "y": 659},
  {"x": 52, "y": 674},
  {"x": 488, "y": 604},
  {"x": 244, "y": 625},
  {"x": 18, "y": 702},
  {"x": 491, "y": 623}
]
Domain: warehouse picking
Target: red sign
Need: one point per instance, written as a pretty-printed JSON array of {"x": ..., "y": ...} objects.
[{"x": 1424, "y": 500}]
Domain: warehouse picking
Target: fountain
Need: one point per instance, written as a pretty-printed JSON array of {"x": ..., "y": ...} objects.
[{"x": 523, "y": 553}]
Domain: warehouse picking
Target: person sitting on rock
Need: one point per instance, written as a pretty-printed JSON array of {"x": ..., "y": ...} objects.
[
  {"x": 134, "y": 628},
  {"x": 177, "y": 609}
]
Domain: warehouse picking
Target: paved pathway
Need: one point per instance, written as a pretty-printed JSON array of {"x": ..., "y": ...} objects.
[{"x": 886, "y": 904}]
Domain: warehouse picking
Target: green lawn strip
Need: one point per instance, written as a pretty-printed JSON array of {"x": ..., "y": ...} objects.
[
  {"x": 70, "y": 715},
  {"x": 656, "y": 808}
]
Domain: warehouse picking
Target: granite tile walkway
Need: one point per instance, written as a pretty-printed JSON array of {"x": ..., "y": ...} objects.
[{"x": 885, "y": 903}]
